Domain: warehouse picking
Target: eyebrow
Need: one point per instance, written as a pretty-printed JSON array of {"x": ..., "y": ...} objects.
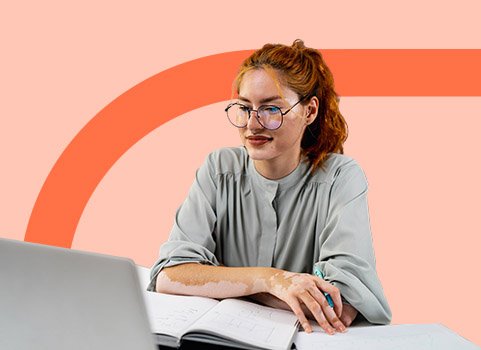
[{"x": 264, "y": 100}]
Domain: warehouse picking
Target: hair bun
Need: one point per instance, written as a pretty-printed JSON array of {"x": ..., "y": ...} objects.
[{"x": 298, "y": 44}]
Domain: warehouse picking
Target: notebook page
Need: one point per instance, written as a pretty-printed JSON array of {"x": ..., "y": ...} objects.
[
  {"x": 394, "y": 337},
  {"x": 250, "y": 323},
  {"x": 173, "y": 314}
]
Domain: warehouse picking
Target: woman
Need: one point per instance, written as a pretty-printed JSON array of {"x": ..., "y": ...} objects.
[{"x": 260, "y": 218}]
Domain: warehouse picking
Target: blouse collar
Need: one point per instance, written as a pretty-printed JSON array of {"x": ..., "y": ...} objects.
[{"x": 272, "y": 187}]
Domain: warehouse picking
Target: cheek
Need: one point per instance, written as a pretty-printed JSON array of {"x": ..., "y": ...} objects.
[
  {"x": 299, "y": 130},
  {"x": 291, "y": 134},
  {"x": 241, "y": 135}
]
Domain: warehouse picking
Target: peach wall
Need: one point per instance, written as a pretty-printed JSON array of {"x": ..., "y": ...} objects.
[{"x": 62, "y": 63}]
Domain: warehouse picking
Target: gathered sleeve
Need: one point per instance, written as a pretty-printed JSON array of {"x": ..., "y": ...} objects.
[
  {"x": 191, "y": 237},
  {"x": 346, "y": 253}
]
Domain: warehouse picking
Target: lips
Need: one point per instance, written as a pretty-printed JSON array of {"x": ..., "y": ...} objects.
[{"x": 258, "y": 140}]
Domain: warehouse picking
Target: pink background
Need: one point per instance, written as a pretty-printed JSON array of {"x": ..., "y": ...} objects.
[{"x": 62, "y": 63}]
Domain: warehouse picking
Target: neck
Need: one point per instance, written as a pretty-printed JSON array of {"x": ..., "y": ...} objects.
[{"x": 275, "y": 169}]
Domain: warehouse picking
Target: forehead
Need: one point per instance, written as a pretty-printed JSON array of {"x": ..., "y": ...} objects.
[{"x": 258, "y": 84}]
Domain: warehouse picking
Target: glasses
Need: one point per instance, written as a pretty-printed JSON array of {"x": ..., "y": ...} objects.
[{"x": 270, "y": 117}]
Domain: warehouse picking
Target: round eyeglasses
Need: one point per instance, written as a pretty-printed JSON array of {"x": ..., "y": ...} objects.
[{"x": 270, "y": 117}]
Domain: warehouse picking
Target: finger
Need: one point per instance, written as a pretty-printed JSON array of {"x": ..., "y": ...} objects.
[
  {"x": 296, "y": 308},
  {"x": 346, "y": 319},
  {"x": 327, "y": 310},
  {"x": 334, "y": 292},
  {"x": 349, "y": 315},
  {"x": 316, "y": 310}
]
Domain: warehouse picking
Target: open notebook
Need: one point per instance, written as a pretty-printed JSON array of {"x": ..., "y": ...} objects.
[{"x": 230, "y": 322}]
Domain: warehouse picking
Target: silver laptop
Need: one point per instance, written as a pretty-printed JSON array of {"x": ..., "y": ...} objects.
[{"x": 55, "y": 298}]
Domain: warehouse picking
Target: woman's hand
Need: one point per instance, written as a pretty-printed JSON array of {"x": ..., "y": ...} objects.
[
  {"x": 348, "y": 314},
  {"x": 296, "y": 289}
]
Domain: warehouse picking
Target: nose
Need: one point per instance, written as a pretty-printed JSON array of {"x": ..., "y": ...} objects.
[{"x": 253, "y": 121}]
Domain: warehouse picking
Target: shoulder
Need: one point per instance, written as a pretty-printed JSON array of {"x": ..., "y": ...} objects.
[
  {"x": 338, "y": 168},
  {"x": 227, "y": 160}
]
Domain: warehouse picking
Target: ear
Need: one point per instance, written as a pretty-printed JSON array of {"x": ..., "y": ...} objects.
[{"x": 312, "y": 109}]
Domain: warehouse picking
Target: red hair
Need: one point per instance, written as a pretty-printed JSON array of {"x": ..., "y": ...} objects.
[{"x": 304, "y": 71}]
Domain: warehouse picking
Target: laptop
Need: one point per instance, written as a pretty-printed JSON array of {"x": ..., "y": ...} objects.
[{"x": 56, "y": 298}]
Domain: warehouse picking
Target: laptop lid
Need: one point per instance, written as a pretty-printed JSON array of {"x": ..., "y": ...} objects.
[{"x": 55, "y": 298}]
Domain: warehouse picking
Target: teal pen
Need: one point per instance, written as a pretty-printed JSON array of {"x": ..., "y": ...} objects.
[{"x": 318, "y": 273}]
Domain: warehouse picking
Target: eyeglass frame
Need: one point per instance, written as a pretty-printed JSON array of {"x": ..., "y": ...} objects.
[{"x": 257, "y": 114}]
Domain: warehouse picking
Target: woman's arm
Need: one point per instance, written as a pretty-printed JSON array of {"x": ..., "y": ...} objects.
[
  {"x": 212, "y": 281},
  {"x": 294, "y": 289},
  {"x": 346, "y": 254}
]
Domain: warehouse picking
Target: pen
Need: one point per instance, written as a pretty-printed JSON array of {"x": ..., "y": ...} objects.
[{"x": 318, "y": 273}]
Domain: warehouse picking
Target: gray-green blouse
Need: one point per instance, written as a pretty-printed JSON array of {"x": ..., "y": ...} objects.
[{"x": 233, "y": 216}]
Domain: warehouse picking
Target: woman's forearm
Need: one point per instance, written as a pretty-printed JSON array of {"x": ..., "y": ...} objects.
[{"x": 214, "y": 281}]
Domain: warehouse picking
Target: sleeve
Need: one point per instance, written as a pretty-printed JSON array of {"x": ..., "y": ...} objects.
[
  {"x": 191, "y": 237},
  {"x": 346, "y": 250}
]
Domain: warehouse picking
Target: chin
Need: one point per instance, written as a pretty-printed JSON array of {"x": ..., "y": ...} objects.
[{"x": 258, "y": 154}]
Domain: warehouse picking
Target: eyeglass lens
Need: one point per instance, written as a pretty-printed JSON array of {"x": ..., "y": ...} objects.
[{"x": 270, "y": 117}]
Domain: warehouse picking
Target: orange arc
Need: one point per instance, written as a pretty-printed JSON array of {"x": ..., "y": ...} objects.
[{"x": 207, "y": 80}]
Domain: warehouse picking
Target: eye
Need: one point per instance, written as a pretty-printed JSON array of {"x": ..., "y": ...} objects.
[
  {"x": 243, "y": 108},
  {"x": 270, "y": 109}
]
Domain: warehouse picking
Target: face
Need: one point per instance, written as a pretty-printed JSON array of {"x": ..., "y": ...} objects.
[{"x": 281, "y": 146}]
